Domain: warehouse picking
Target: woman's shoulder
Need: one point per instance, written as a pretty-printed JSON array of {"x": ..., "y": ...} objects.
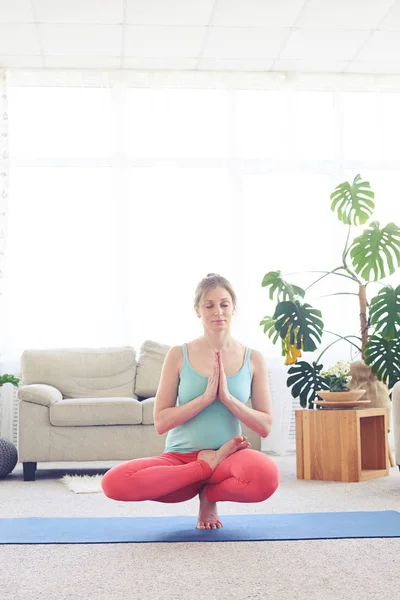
[
  {"x": 174, "y": 357},
  {"x": 257, "y": 361}
]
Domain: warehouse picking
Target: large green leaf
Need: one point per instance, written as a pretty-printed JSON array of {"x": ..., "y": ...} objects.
[
  {"x": 306, "y": 381},
  {"x": 302, "y": 322},
  {"x": 353, "y": 203},
  {"x": 377, "y": 251},
  {"x": 269, "y": 328},
  {"x": 383, "y": 356},
  {"x": 283, "y": 289},
  {"x": 384, "y": 312}
]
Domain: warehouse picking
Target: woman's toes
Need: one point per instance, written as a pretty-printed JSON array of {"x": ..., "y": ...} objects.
[{"x": 207, "y": 525}]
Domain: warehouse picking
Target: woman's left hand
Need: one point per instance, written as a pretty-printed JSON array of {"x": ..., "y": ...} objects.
[{"x": 223, "y": 392}]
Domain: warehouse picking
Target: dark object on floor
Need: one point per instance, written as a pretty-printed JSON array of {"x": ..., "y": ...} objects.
[
  {"x": 8, "y": 457},
  {"x": 29, "y": 470}
]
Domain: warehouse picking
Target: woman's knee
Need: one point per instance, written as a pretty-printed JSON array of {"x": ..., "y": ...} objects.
[
  {"x": 111, "y": 484},
  {"x": 269, "y": 479},
  {"x": 262, "y": 474}
]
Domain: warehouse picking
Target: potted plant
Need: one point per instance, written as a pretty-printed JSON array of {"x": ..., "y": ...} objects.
[
  {"x": 338, "y": 377},
  {"x": 370, "y": 257},
  {"x": 9, "y": 379},
  {"x": 6, "y": 378}
]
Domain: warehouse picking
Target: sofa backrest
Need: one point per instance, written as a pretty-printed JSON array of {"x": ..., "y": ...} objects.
[{"x": 82, "y": 372}]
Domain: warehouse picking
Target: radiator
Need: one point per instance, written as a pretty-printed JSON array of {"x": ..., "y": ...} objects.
[
  {"x": 282, "y": 439},
  {"x": 9, "y": 412}
]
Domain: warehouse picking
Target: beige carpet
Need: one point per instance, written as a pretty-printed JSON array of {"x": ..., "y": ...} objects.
[{"x": 298, "y": 570}]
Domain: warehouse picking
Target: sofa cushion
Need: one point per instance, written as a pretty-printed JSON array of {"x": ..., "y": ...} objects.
[
  {"x": 148, "y": 373},
  {"x": 82, "y": 372},
  {"x": 148, "y": 411},
  {"x": 81, "y": 412}
]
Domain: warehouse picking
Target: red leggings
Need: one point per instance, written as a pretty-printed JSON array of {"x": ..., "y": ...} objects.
[{"x": 245, "y": 476}]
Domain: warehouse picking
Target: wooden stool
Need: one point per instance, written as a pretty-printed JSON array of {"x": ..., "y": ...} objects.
[{"x": 342, "y": 445}]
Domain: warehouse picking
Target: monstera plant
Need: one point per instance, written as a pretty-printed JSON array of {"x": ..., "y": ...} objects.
[{"x": 370, "y": 257}]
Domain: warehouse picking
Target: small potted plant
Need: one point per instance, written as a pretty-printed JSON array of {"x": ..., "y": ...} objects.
[
  {"x": 8, "y": 452},
  {"x": 337, "y": 378},
  {"x": 9, "y": 379}
]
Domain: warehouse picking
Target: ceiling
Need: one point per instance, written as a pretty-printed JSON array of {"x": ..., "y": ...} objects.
[{"x": 318, "y": 36}]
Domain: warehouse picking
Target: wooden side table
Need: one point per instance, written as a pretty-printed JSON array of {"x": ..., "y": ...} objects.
[{"x": 341, "y": 445}]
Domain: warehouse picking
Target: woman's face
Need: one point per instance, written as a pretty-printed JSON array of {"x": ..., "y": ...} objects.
[{"x": 216, "y": 309}]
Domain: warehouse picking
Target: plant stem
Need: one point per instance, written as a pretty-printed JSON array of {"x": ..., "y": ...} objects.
[
  {"x": 362, "y": 294},
  {"x": 327, "y": 272},
  {"x": 333, "y": 272},
  {"x": 337, "y": 294},
  {"x": 378, "y": 282},
  {"x": 346, "y": 337},
  {"x": 300, "y": 272},
  {"x": 345, "y": 251}
]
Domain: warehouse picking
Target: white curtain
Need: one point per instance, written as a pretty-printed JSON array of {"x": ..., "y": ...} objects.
[
  {"x": 5, "y": 392},
  {"x": 127, "y": 188},
  {"x": 4, "y": 177}
]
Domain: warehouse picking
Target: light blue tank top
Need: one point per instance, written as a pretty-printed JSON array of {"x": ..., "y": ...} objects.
[{"x": 215, "y": 424}]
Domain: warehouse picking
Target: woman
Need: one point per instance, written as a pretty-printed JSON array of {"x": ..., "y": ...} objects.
[{"x": 205, "y": 453}]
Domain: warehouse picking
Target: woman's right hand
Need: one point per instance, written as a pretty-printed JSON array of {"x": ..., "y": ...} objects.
[{"x": 212, "y": 386}]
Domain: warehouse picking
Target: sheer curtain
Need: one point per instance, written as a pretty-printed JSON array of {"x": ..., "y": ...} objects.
[
  {"x": 5, "y": 413},
  {"x": 127, "y": 188}
]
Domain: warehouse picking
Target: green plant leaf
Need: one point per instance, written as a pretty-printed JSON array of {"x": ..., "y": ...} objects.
[
  {"x": 302, "y": 322},
  {"x": 377, "y": 251},
  {"x": 383, "y": 356},
  {"x": 384, "y": 312},
  {"x": 283, "y": 289},
  {"x": 9, "y": 379},
  {"x": 353, "y": 203},
  {"x": 269, "y": 328},
  {"x": 306, "y": 381}
]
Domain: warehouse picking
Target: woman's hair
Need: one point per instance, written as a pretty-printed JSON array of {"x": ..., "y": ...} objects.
[{"x": 211, "y": 281}]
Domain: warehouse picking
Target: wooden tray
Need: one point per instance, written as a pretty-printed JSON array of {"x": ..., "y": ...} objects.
[
  {"x": 350, "y": 396},
  {"x": 341, "y": 405}
]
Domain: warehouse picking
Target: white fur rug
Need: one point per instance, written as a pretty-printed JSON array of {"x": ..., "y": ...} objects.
[{"x": 83, "y": 484}]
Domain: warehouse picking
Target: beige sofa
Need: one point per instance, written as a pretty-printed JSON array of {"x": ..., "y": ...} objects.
[
  {"x": 396, "y": 420},
  {"x": 90, "y": 404}
]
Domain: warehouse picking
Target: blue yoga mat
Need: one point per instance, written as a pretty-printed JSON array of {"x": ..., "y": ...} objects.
[{"x": 301, "y": 526}]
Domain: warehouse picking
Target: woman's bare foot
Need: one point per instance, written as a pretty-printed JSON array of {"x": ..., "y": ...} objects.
[
  {"x": 208, "y": 513},
  {"x": 214, "y": 457}
]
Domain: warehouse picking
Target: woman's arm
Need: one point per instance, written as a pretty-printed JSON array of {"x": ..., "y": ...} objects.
[
  {"x": 166, "y": 414},
  {"x": 259, "y": 417}
]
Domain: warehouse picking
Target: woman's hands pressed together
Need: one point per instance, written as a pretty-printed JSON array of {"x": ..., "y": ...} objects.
[
  {"x": 217, "y": 383},
  {"x": 223, "y": 391},
  {"x": 213, "y": 381}
]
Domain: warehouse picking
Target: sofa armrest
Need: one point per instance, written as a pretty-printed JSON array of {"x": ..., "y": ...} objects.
[{"x": 39, "y": 393}]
